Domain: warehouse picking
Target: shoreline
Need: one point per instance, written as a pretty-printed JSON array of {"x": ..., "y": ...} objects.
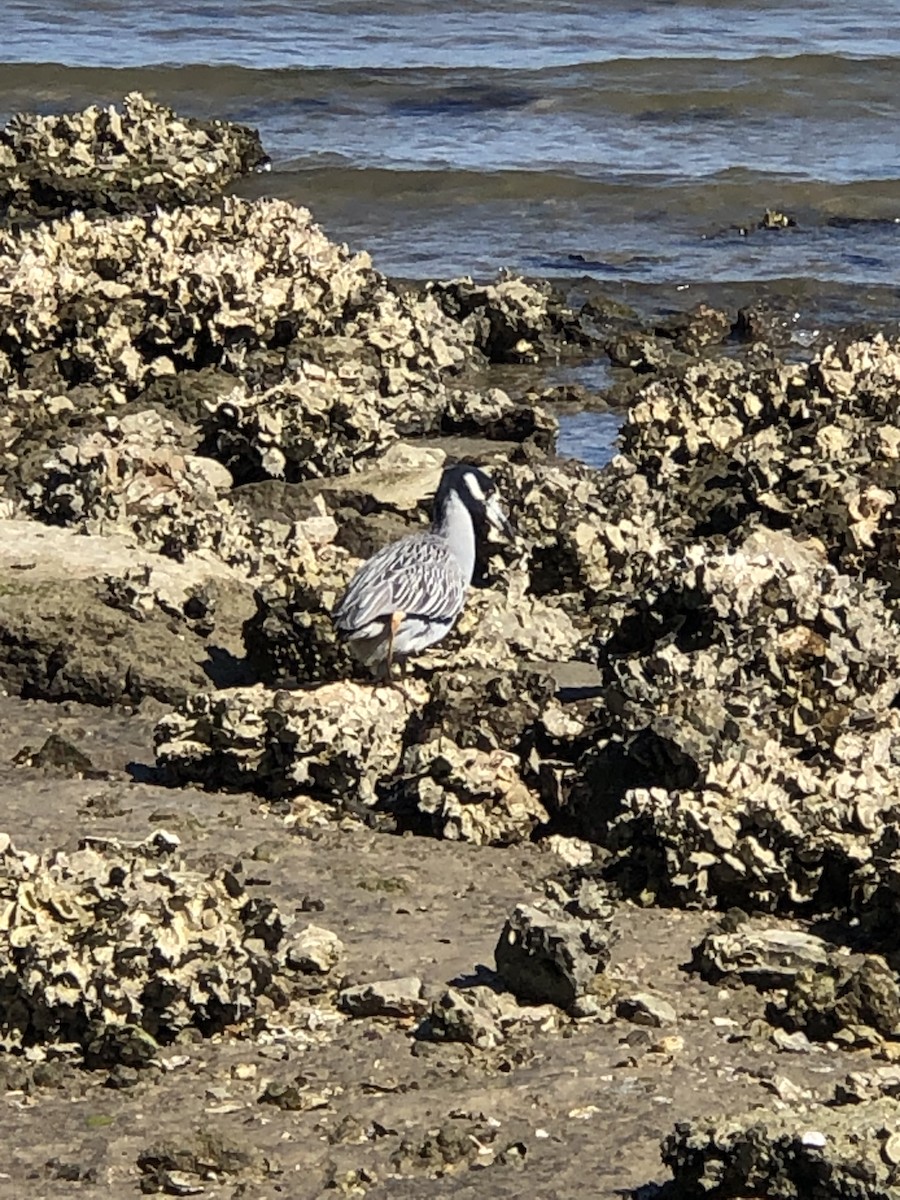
[{"x": 267, "y": 925}]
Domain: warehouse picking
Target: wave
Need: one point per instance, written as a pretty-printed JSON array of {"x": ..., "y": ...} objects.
[
  {"x": 734, "y": 189},
  {"x": 767, "y": 79}
]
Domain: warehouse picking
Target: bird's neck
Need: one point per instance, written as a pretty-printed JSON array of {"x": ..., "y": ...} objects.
[{"x": 454, "y": 523}]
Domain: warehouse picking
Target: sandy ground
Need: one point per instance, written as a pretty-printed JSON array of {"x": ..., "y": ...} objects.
[{"x": 555, "y": 1112}]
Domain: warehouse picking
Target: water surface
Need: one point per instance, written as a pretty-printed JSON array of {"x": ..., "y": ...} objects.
[{"x": 635, "y": 144}]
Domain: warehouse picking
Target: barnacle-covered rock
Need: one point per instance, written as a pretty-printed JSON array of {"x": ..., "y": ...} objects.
[
  {"x": 749, "y": 721},
  {"x": 809, "y": 449},
  {"x": 121, "y": 303},
  {"x": 640, "y": 352},
  {"x": 767, "y": 322},
  {"x": 691, "y": 331},
  {"x": 110, "y": 954},
  {"x": 591, "y": 540},
  {"x": 831, "y": 1153},
  {"x": 465, "y": 795},
  {"x": 772, "y": 628},
  {"x": 332, "y": 743},
  {"x": 512, "y": 320},
  {"x": 138, "y": 475},
  {"x": 107, "y": 160},
  {"x": 132, "y": 474},
  {"x": 504, "y": 625},
  {"x": 859, "y": 1086},
  {"x": 766, "y": 958},
  {"x": 509, "y": 705},
  {"x": 758, "y": 827},
  {"x": 319, "y": 422},
  {"x": 313, "y": 951},
  {"x": 291, "y": 636},
  {"x": 493, "y": 415}
]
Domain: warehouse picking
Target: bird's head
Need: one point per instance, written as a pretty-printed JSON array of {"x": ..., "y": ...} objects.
[{"x": 478, "y": 493}]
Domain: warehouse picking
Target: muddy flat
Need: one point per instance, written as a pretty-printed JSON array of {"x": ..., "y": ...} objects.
[{"x": 560, "y": 1108}]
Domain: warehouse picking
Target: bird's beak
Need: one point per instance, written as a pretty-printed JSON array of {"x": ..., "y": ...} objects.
[{"x": 498, "y": 518}]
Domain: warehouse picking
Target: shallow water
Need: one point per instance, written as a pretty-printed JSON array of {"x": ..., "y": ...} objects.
[
  {"x": 589, "y": 436},
  {"x": 632, "y": 143}
]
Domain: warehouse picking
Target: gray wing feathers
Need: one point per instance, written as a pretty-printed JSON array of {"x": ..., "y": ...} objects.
[{"x": 417, "y": 575}]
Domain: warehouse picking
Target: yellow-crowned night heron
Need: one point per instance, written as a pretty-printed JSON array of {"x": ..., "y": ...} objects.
[{"x": 408, "y": 595}]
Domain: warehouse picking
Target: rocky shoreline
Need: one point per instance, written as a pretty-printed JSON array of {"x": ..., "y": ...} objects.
[{"x": 665, "y": 725}]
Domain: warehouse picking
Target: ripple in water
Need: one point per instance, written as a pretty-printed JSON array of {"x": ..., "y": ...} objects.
[{"x": 589, "y": 436}]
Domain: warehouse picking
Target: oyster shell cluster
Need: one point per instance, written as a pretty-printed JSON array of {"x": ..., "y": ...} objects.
[
  {"x": 112, "y": 955},
  {"x": 103, "y": 160}
]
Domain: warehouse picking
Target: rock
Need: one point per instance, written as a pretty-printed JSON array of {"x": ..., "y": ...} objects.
[
  {"x": 384, "y": 998},
  {"x": 56, "y": 755},
  {"x": 777, "y": 1154},
  {"x": 59, "y": 641},
  {"x": 471, "y": 1017},
  {"x": 791, "y": 1043},
  {"x": 93, "y": 619},
  {"x": 34, "y": 553},
  {"x": 169, "y": 950},
  {"x": 464, "y": 795},
  {"x": 733, "y": 765},
  {"x": 512, "y": 320},
  {"x": 642, "y": 1008},
  {"x": 313, "y": 951},
  {"x": 437, "y": 1153},
  {"x": 843, "y": 999},
  {"x": 548, "y": 959},
  {"x": 640, "y": 352},
  {"x": 251, "y": 291},
  {"x": 103, "y": 160},
  {"x": 332, "y": 743},
  {"x": 573, "y": 851},
  {"x": 859, "y": 1086},
  {"x": 510, "y": 706},
  {"x": 295, "y": 1095},
  {"x": 135, "y": 476},
  {"x": 96, "y": 620},
  {"x": 765, "y": 322},
  {"x": 766, "y": 958},
  {"x": 177, "y": 1166},
  {"x": 506, "y": 626},
  {"x": 691, "y": 331},
  {"x": 590, "y": 899},
  {"x": 403, "y": 480},
  {"x": 291, "y": 637}
]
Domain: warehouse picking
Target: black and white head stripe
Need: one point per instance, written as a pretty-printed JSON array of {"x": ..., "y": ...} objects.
[
  {"x": 470, "y": 483},
  {"x": 477, "y": 490}
]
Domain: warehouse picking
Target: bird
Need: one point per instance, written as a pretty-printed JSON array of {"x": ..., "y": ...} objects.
[{"x": 408, "y": 595}]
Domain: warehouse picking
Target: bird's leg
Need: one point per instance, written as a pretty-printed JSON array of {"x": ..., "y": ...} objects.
[{"x": 396, "y": 621}]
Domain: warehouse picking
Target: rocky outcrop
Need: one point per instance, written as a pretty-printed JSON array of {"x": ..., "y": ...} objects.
[
  {"x": 110, "y": 160},
  {"x": 97, "y": 620},
  {"x": 112, "y": 956},
  {"x": 850, "y": 1150}
]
